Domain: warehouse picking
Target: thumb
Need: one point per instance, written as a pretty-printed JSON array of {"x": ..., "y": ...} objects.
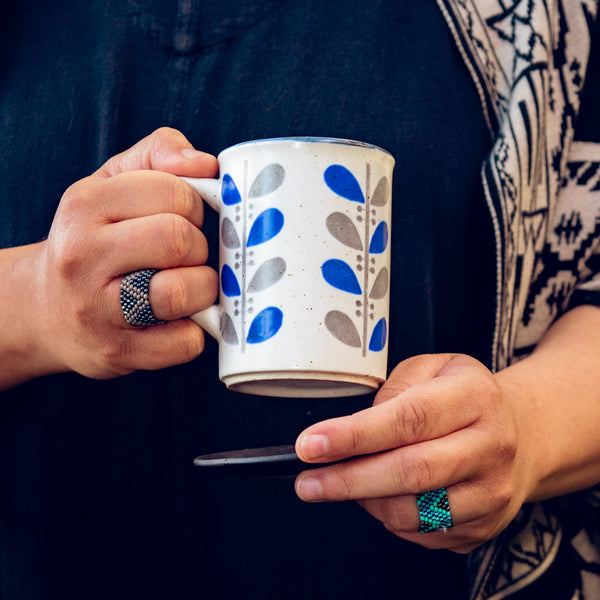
[{"x": 166, "y": 150}]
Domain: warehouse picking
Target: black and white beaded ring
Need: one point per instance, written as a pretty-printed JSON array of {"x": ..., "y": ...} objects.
[{"x": 135, "y": 302}]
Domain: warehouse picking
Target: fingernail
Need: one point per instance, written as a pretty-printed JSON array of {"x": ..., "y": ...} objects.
[
  {"x": 314, "y": 446},
  {"x": 192, "y": 153},
  {"x": 309, "y": 489}
]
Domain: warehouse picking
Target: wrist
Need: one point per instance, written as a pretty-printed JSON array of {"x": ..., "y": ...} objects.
[
  {"x": 22, "y": 353},
  {"x": 555, "y": 397},
  {"x": 533, "y": 453}
]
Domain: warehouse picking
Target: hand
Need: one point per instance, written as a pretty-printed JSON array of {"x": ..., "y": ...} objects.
[
  {"x": 134, "y": 213},
  {"x": 439, "y": 421}
]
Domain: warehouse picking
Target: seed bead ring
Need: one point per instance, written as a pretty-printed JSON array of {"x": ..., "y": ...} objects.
[
  {"x": 135, "y": 302},
  {"x": 434, "y": 511}
]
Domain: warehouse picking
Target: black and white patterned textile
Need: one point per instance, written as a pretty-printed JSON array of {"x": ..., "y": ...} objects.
[{"x": 528, "y": 60}]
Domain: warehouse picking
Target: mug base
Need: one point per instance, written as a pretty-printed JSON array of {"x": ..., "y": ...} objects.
[{"x": 302, "y": 384}]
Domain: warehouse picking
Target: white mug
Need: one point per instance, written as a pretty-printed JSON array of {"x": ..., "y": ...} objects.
[{"x": 304, "y": 266}]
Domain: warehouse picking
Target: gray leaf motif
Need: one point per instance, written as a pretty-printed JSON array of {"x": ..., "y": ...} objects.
[
  {"x": 267, "y": 181},
  {"x": 229, "y": 234},
  {"x": 343, "y": 230},
  {"x": 381, "y": 193},
  {"x": 268, "y": 274},
  {"x": 380, "y": 286},
  {"x": 341, "y": 326},
  {"x": 228, "y": 330}
]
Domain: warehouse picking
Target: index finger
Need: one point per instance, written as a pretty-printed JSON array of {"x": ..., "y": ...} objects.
[
  {"x": 142, "y": 193},
  {"x": 134, "y": 194},
  {"x": 165, "y": 149},
  {"x": 423, "y": 412}
]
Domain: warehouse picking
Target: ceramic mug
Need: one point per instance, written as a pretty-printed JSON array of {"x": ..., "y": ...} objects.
[{"x": 304, "y": 266}]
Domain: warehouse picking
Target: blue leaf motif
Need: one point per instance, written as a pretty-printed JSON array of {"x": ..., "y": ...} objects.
[
  {"x": 266, "y": 226},
  {"x": 229, "y": 282},
  {"x": 380, "y": 239},
  {"x": 379, "y": 336},
  {"x": 229, "y": 191},
  {"x": 341, "y": 181},
  {"x": 265, "y": 325},
  {"x": 341, "y": 276}
]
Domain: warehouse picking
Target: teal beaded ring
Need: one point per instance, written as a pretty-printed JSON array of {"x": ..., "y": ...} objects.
[
  {"x": 135, "y": 303},
  {"x": 434, "y": 511}
]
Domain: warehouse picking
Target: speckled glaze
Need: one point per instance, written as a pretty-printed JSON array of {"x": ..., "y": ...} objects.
[{"x": 304, "y": 266}]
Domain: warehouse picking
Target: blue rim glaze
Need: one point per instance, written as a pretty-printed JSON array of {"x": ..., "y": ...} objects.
[{"x": 309, "y": 139}]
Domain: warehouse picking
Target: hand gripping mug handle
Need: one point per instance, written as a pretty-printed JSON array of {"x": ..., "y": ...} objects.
[{"x": 210, "y": 191}]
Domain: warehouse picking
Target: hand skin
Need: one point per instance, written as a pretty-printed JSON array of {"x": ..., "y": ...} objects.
[
  {"x": 61, "y": 298},
  {"x": 529, "y": 432}
]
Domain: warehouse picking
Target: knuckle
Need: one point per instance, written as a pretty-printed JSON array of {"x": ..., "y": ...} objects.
[
  {"x": 503, "y": 495},
  {"x": 192, "y": 344},
  {"x": 355, "y": 440},
  {"x": 69, "y": 237},
  {"x": 75, "y": 195},
  {"x": 84, "y": 311},
  {"x": 71, "y": 254},
  {"x": 393, "y": 387},
  {"x": 468, "y": 535},
  {"x": 177, "y": 298},
  {"x": 159, "y": 141},
  {"x": 479, "y": 531},
  {"x": 67, "y": 257},
  {"x": 360, "y": 435},
  {"x": 114, "y": 353},
  {"x": 507, "y": 449},
  {"x": 163, "y": 133},
  {"x": 346, "y": 485},
  {"x": 177, "y": 239},
  {"x": 388, "y": 515},
  {"x": 480, "y": 534},
  {"x": 412, "y": 471},
  {"x": 393, "y": 517},
  {"x": 181, "y": 197},
  {"x": 80, "y": 196},
  {"x": 211, "y": 285},
  {"x": 412, "y": 421}
]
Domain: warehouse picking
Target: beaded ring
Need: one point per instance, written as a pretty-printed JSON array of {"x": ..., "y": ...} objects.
[
  {"x": 434, "y": 511},
  {"x": 134, "y": 299}
]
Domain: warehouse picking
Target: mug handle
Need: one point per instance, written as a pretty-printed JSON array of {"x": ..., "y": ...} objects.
[{"x": 210, "y": 190}]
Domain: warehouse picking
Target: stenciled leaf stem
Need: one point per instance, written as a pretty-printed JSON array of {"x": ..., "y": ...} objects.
[
  {"x": 265, "y": 227},
  {"x": 340, "y": 274},
  {"x": 366, "y": 260}
]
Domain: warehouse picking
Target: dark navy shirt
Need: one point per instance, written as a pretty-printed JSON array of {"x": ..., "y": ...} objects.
[{"x": 98, "y": 493}]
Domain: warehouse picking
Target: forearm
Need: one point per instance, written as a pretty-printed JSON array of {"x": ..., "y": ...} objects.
[
  {"x": 21, "y": 354},
  {"x": 556, "y": 399}
]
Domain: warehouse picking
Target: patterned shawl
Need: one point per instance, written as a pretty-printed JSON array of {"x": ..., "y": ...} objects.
[{"x": 528, "y": 60}]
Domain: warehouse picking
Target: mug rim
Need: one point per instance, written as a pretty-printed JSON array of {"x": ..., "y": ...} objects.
[{"x": 313, "y": 139}]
